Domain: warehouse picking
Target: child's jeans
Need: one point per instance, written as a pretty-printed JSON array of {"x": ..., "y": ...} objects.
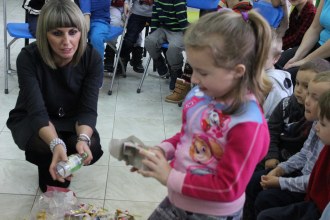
[{"x": 167, "y": 211}]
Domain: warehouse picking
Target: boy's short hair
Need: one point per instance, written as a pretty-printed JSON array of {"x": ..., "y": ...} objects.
[
  {"x": 276, "y": 44},
  {"x": 317, "y": 65},
  {"x": 324, "y": 105}
]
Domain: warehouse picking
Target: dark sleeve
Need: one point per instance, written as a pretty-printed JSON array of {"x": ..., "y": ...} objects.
[
  {"x": 30, "y": 96},
  {"x": 181, "y": 13},
  {"x": 275, "y": 126},
  {"x": 33, "y": 4},
  {"x": 87, "y": 112}
]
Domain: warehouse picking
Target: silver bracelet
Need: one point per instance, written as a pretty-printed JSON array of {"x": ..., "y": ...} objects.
[
  {"x": 85, "y": 138},
  {"x": 55, "y": 142}
]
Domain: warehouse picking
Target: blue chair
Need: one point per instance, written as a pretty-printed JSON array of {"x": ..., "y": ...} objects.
[
  {"x": 197, "y": 4},
  {"x": 17, "y": 31},
  {"x": 273, "y": 15}
]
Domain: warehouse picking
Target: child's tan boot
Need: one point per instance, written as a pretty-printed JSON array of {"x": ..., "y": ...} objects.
[{"x": 181, "y": 90}]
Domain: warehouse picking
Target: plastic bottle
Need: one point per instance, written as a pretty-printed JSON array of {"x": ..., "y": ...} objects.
[{"x": 66, "y": 168}]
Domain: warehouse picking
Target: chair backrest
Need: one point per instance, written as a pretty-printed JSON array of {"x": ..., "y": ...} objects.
[
  {"x": 19, "y": 30},
  {"x": 203, "y": 4},
  {"x": 273, "y": 15}
]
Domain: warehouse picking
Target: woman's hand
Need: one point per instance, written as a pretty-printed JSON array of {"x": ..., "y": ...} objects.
[
  {"x": 269, "y": 182},
  {"x": 81, "y": 148},
  {"x": 157, "y": 164},
  {"x": 59, "y": 154},
  {"x": 294, "y": 62}
]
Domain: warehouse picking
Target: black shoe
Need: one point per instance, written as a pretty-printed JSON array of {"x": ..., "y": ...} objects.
[
  {"x": 138, "y": 68},
  {"x": 108, "y": 66},
  {"x": 161, "y": 67},
  {"x": 136, "y": 61},
  {"x": 109, "y": 57}
]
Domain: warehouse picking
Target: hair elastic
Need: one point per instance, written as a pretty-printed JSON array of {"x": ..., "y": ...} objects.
[{"x": 245, "y": 16}]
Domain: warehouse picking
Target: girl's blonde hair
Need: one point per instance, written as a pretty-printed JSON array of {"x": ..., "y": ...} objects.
[
  {"x": 322, "y": 77},
  {"x": 236, "y": 39},
  {"x": 324, "y": 102},
  {"x": 59, "y": 14}
]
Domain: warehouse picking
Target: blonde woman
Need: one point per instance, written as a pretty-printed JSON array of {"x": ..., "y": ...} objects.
[{"x": 56, "y": 109}]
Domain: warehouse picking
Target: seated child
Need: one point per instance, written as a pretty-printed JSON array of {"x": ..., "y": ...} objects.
[
  {"x": 300, "y": 19},
  {"x": 168, "y": 22},
  {"x": 97, "y": 16},
  {"x": 318, "y": 190},
  {"x": 140, "y": 15},
  {"x": 33, "y": 8},
  {"x": 287, "y": 183},
  {"x": 281, "y": 80},
  {"x": 287, "y": 125}
]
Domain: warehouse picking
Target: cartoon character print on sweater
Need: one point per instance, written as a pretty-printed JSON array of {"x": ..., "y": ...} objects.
[
  {"x": 215, "y": 121},
  {"x": 205, "y": 126},
  {"x": 204, "y": 150}
]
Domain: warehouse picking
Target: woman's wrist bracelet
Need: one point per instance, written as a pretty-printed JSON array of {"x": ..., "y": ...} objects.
[
  {"x": 85, "y": 138},
  {"x": 55, "y": 142}
]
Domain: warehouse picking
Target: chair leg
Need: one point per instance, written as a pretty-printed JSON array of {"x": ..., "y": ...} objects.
[
  {"x": 7, "y": 69},
  {"x": 117, "y": 59},
  {"x": 144, "y": 75}
]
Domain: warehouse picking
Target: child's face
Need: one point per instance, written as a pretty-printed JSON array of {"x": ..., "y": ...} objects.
[
  {"x": 315, "y": 90},
  {"x": 301, "y": 88},
  {"x": 214, "y": 81},
  {"x": 323, "y": 130}
]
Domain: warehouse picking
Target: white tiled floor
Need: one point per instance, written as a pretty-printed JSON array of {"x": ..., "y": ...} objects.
[{"x": 108, "y": 183}]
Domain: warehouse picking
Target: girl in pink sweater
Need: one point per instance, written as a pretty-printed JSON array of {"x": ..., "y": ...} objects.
[{"x": 224, "y": 134}]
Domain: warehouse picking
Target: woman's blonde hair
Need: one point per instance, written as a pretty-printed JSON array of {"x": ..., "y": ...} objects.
[
  {"x": 234, "y": 39},
  {"x": 59, "y": 14}
]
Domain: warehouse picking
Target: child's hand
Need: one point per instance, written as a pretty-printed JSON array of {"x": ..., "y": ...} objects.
[
  {"x": 269, "y": 182},
  {"x": 277, "y": 171},
  {"x": 271, "y": 163},
  {"x": 157, "y": 164}
]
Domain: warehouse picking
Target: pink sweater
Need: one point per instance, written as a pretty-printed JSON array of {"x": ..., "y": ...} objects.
[{"x": 214, "y": 155}]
